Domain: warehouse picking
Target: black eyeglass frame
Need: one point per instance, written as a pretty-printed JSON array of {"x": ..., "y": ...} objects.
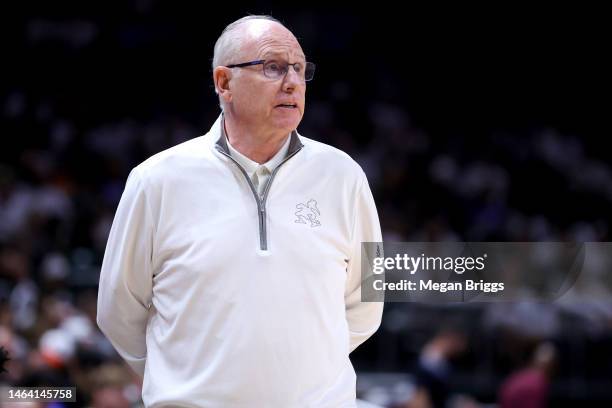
[{"x": 308, "y": 67}]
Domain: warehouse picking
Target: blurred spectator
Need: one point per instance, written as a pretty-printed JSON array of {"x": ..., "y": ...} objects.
[
  {"x": 529, "y": 387},
  {"x": 433, "y": 373}
]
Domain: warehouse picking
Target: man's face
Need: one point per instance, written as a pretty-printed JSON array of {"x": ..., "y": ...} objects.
[{"x": 258, "y": 101}]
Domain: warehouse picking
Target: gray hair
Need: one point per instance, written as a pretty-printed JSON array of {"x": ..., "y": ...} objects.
[{"x": 227, "y": 44}]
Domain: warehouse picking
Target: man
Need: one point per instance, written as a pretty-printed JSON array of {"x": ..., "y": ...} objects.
[{"x": 232, "y": 273}]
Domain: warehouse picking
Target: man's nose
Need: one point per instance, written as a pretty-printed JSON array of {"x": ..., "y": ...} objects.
[{"x": 292, "y": 79}]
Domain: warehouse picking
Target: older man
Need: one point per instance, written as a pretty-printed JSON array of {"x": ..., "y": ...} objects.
[{"x": 232, "y": 274}]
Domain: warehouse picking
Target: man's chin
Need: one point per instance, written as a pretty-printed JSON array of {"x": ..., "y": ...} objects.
[{"x": 287, "y": 124}]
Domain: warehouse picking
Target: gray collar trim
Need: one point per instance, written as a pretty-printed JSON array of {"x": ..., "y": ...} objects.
[{"x": 221, "y": 144}]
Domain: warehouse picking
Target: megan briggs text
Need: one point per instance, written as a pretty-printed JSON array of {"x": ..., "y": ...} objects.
[{"x": 429, "y": 285}]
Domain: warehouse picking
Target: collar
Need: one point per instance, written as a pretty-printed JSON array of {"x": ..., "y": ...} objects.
[
  {"x": 293, "y": 144},
  {"x": 251, "y": 166}
]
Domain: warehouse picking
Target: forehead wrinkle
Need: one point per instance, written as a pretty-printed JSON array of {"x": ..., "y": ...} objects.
[
  {"x": 273, "y": 43},
  {"x": 276, "y": 46},
  {"x": 282, "y": 55}
]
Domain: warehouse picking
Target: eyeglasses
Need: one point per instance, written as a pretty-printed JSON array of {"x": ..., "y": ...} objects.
[{"x": 278, "y": 69}]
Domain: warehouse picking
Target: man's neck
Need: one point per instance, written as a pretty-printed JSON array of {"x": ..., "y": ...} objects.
[{"x": 257, "y": 147}]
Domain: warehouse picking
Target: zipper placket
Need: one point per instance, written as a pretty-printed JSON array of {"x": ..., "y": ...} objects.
[{"x": 261, "y": 201}]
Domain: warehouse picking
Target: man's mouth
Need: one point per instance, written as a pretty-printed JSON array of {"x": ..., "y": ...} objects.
[{"x": 286, "y": 106}]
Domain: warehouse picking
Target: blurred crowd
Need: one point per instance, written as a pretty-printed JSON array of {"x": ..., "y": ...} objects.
[{"x": 71, "y": 137}]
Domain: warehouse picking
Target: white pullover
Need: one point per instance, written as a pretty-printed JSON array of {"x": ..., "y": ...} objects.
[{"x": 221, "y": 298}]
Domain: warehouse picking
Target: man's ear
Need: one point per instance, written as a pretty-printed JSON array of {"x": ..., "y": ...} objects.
[{"x": 221, "y": 78}]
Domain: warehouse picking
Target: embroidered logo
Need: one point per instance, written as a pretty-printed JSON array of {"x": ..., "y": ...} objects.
[{"x": 308, "y": 213}]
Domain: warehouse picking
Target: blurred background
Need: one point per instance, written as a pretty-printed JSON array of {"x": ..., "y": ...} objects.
[{"x": 472, "y": 125}]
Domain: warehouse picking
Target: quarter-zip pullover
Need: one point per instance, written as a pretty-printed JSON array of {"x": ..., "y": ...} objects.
[{"x": 222, "y": 297}]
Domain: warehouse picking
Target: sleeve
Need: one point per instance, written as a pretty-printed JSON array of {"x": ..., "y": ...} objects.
[
  {"x": 125, "y": 289},
  {"x": 363, "y": 317}
]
